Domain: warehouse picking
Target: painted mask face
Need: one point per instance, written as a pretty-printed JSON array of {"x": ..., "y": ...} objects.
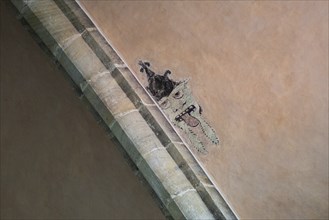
[
  {"x": 183, "y": 111},
  {"x": 180, "y": 105}
]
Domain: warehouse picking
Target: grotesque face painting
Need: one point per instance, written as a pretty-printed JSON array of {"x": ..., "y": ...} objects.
[{"x": 178, "y": 103}]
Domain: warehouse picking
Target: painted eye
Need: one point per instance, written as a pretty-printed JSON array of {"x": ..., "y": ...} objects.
[
  {"x": 178, "y": 95},
  {"x": 165, "y": 104}
]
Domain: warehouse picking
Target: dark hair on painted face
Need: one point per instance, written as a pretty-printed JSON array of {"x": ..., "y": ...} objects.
[{"x": 159, "y": 85}]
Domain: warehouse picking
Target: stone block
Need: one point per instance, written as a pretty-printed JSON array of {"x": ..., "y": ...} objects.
[
  {"x": 165, "y": 125},
  {"x": 96, "y": 40},
  {"x": 139, "y": 132},
  {"x": 135, "y": 85},
  {"x": 75, "y": 14},
  {"x": 194, "y": 208},
  {"x": 83, "y": 57},
  {"x": 53, "y": 20}
]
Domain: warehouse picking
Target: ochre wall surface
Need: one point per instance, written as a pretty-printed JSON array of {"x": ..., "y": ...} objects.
[
  {"x": 260, "y": 72},
  {"x": 56, "y": 161}
]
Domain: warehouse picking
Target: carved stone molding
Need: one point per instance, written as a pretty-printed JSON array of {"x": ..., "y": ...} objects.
[{"x": 171, "y": 170}]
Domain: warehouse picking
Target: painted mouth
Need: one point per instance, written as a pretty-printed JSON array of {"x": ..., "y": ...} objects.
[{"x": 187, "y": 118}]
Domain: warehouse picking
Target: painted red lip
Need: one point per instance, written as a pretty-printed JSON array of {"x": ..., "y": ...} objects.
[
  {"x": 187, "y": 118},
  {"x": 190, "y": 109}
]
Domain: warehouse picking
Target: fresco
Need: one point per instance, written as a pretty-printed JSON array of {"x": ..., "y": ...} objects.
[
  {"x": 259, "y": 69},
  {"x": 177, "y": 101}
]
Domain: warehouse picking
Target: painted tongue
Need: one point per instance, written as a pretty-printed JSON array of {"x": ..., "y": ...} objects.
[{"x": 190, "y": 120}]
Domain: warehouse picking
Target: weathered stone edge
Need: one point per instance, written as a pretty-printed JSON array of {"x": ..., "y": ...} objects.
[
  {"x": 129, "y": 85},
  {"x": 166, "y": 134}
]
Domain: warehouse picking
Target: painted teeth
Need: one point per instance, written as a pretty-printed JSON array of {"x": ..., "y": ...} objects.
[{"x": 191, "y": 108}]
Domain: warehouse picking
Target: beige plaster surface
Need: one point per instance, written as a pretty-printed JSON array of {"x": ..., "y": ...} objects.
[
  {"x": 260, "y": 71},
  {"x": 57, "y": 162}
]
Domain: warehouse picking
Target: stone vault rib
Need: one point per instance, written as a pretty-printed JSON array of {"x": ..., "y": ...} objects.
[{"x": 134, "y": 118}]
